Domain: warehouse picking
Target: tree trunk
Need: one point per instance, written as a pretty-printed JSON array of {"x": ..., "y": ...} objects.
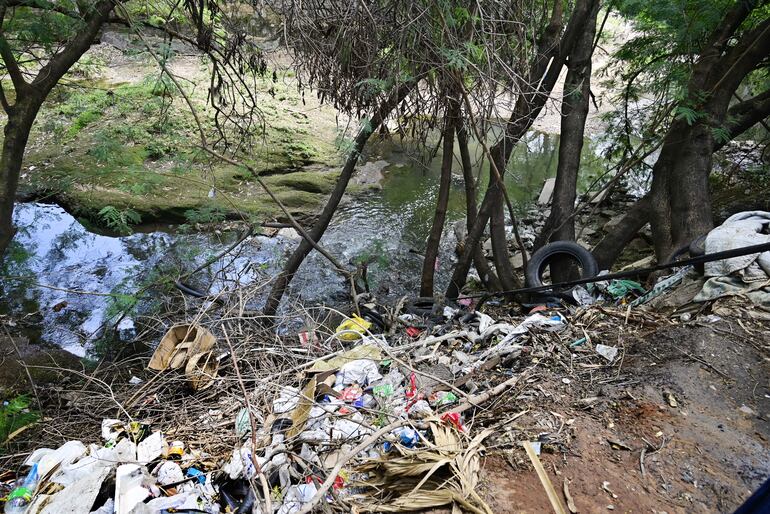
[
  {"x": 303, "y": 249},
  {"x": 560, "y": 225},
  {"x": 488, "y": 277},
  {"x": 502, "y": 260},
  {"x": 16, "y": 135},
  {"x": 439, "y": 217},
  {"x": 544, "y": 72},
  {"x": 678, "y": 205}
]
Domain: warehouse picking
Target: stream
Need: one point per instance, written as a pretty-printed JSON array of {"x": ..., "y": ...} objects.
[{"x": 61, "y": 260}]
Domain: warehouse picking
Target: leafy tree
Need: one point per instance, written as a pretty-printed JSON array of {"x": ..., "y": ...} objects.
[
  {"x": 680, "y": 77},
  {"x": 39, "y": 43}
]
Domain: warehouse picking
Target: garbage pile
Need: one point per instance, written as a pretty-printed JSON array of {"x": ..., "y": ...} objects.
[{"x": 387, "y": 423}]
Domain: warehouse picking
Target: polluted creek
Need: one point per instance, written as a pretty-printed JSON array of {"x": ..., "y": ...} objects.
[{"x": 322, "y": 256}]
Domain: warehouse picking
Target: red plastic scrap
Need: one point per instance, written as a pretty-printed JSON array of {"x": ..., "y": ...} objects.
[
  {"x": 339, "y": 482},
  {"x": 413, "y": 332},
  {"x": 411, "y": 391},
  {"x": 455, "y": 419},
  {"x": 351, "y": 393}
]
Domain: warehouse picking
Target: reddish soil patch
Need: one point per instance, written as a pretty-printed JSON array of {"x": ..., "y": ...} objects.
[{"x": 706, "y": 454}]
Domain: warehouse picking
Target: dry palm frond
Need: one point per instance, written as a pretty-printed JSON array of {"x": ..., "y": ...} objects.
[{"x": 445, "y": 473}]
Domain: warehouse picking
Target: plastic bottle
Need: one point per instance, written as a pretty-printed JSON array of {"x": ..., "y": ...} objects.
[{"x": 21, "y": 496}]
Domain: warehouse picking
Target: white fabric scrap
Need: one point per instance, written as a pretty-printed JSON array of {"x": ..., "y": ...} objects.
[{"x": 739, "y": 230}]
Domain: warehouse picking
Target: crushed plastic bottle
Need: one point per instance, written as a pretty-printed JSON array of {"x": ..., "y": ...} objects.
[{"x": 22, "y": 494}]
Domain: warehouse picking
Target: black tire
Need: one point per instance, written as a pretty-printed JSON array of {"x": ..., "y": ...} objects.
[
  {"x": 423, "y": 306},
  {"x": 541, "y": 258}
]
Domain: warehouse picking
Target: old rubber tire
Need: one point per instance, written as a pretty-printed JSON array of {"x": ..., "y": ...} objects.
[{"x": 541, "y": 258}]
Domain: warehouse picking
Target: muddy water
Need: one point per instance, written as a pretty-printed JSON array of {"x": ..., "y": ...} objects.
[{"x": 387, "y": 227}]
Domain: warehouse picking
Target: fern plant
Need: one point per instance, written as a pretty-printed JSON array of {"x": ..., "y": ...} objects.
[{"x": 119, "y": 220}]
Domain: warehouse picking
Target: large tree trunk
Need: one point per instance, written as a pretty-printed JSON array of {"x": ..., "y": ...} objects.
[
  {"x": 544, "y": 72},
  {"x": 488, "y": 277},
  {"x": 303, "y": 249},
  {"x": 439, "y": 217},
  {"x": 560, "y": 225}
]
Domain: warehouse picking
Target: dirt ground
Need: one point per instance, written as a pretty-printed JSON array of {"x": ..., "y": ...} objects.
[{"x": 694, "y": 397}]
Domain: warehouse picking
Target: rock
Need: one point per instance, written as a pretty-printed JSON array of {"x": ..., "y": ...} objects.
[
  {"x": 487, "y": 246},
  {"x": 611, "y": 223},
  {"x": 288, "y": 233},
  {"x": 601, "y": 196},
  {"x": 745, "y": 409},
  {"x": 638, "y": 244},
  {"x": 517, "y": 261},
  {"x": 460, "y": 229},
  {"x": 370, "y": 173},
  {"x": 115, "y": 39}
]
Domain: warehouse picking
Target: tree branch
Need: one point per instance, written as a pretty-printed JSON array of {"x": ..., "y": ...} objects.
[
  {"x": 19, "y": 84},
  {"x": 42, "y": 4},
  {"x": 729, "y": 24},
  {"x": 744, "y": 115},
  {"x": 55, "y": 69}
]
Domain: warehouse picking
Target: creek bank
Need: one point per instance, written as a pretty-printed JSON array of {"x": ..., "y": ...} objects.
[{"x": 118, "y": 136}]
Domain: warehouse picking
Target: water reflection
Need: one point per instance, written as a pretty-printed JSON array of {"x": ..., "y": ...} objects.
[{"x": 388, "y": 227}]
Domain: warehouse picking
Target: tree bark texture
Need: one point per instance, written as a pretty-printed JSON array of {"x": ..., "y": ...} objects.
[{"x": 439, "y": 218}]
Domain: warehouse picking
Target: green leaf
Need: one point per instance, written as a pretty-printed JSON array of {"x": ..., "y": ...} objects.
[
  {"x": 721, "y": 134},
  {"x": 687, "y": 114}
]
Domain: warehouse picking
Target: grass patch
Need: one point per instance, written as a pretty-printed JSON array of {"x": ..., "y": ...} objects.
[{"x": 134, "y": 147}]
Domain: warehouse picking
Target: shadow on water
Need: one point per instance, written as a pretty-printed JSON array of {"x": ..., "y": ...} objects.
[{"x": 387, "y": 227}]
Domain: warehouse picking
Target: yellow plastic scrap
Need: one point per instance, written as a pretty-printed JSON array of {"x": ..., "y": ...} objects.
[
  {"x": 353, "y": 328},
  {"x": 364, "y": 351}
]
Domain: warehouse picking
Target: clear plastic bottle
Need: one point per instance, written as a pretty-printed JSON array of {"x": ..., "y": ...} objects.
[{"x": 21, "y": 496}]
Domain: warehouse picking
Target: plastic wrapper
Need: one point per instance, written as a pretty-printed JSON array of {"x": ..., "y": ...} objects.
[{"x": 360, "y": 371}]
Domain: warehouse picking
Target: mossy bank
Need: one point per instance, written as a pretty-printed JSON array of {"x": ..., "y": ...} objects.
[{"x": 119, "y": 136}]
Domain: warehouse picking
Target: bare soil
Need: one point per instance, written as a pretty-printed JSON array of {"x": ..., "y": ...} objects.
[{"x": 706, "y": 454}]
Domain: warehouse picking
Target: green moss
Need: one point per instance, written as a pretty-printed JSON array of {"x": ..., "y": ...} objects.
[
  {"x": 134, "y": 146},
  {"x": 308, "y": 181}
]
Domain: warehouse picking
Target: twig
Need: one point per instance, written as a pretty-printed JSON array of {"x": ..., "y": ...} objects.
[
  {"x": 252, "y": 453},
  {"x": 553, "y": 497}
]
